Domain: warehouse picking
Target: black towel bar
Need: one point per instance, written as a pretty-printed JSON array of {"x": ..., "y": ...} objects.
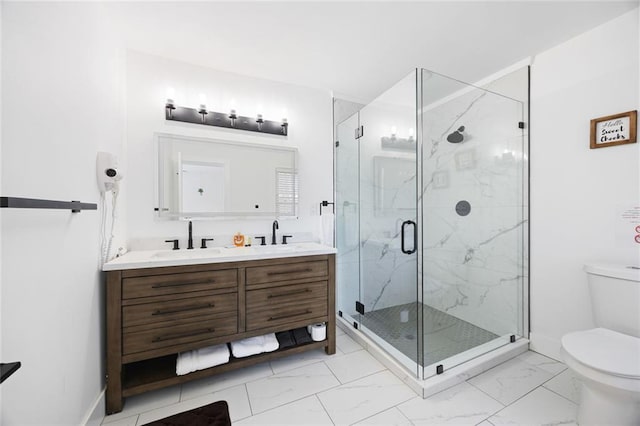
[
  {"x": 326, "y": 204},
  {"x": 35, "y": 203}
]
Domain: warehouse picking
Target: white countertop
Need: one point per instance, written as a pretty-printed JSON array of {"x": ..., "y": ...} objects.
[{"x": 158, "y": 258}]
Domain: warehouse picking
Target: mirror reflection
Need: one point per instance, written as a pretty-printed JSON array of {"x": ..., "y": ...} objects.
[{"x": 201, "y": 177}]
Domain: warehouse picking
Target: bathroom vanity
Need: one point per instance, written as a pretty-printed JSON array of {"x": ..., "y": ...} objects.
[{"x": 162, "y": 303}]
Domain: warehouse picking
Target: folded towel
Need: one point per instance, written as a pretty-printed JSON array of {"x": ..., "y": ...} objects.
[
  {"x": 326, "y": 229},
  {"x": 202, "y": 358},
  {"x": 285, "y": 339},
  {"x": 301, "y": 335},
  {"x": 254, "y": 345},
  {"x": 270, "y": 343}
]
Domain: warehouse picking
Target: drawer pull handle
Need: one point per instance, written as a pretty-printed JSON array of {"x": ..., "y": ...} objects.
[
  {"x": 179, "y": 335},
  {"x": 291, "y": 293},
  {"x": 290, "y": 271},
  {"x": 183, "y": 309},
  {"x": 161, "y": 285},
  {"x": 290, "y": 315}
]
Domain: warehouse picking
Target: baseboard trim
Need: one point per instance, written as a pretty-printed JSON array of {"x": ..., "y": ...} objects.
[{"x": 95, "y": 415}]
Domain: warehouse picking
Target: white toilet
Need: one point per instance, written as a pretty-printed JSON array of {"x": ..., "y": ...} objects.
[{"x": 607, "y": 358}]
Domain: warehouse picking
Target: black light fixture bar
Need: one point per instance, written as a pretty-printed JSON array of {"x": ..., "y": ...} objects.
[
  {"x": 226, "y": 120},
  {"x": 7, "y": 369},
  {"x": 35, "y": 203}
]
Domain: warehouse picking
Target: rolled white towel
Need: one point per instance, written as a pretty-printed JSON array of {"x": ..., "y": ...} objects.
[
  {"x": 270, "y": 343},
  {"x": 254, "y": 345},
  {"x": 247, "y": 347},
  {"x": 212, "y": 356},
  {"x": 186, "y": 363},
  {"x": 202, "y": 358}
]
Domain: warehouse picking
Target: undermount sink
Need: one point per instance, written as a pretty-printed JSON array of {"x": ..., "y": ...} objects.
[
  {"x": 275, "y": 249},
  {"x": 186, "y": 254}
]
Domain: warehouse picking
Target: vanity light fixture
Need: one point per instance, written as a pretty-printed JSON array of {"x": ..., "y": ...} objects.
[
  {"x": 396, "y": 143},
  {"x": 229, "y": 120}
]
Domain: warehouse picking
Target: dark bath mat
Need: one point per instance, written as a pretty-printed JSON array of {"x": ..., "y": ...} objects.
[{"x": 216, "y": 414}]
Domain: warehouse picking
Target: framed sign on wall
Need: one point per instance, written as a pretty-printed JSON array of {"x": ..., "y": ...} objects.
[{"x": 617, "y": 129}]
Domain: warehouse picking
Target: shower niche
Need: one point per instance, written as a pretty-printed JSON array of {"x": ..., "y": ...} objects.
[{"x": 432, "y": 238}]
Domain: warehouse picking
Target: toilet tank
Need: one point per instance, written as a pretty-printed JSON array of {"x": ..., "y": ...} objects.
[{"x": 615, "y": 297}]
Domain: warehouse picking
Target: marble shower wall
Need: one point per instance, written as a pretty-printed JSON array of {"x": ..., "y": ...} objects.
[{"x": 473, "y": 264}]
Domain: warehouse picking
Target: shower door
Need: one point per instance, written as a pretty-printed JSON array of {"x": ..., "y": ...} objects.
[
  {"x": 347, "y": 218},
  {"x": 377, "y": 154}
]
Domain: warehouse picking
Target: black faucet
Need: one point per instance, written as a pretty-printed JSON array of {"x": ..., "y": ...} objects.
[
  {"x": 203, "y": 242},
  {"x": 273, "y": 230},
  {"x": 190, "y": 241}
]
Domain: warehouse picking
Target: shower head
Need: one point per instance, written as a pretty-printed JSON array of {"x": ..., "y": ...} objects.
[{"x": 457, "y": 136}]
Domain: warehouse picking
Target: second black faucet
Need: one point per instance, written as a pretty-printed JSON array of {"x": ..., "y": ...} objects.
[
  {"x": 190, "y": 241},
  {"x": 274, "y": 226}
]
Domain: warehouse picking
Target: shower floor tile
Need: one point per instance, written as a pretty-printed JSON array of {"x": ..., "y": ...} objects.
[{"x": 444, "y": 334}]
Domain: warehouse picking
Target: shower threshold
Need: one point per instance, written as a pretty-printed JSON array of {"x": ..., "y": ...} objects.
[{"x": 465, "y": 365}]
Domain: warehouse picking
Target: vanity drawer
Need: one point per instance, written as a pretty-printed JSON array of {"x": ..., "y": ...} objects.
[
  {"x": 173, "y": 310},
  {"x": 201, "y": 330},
  {"x": 285, "y": 304},
  {"x": 158, "y": 285},
  {"x": 287, "y": 271}
]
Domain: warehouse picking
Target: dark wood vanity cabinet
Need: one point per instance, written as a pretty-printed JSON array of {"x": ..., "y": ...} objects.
[{"x": 155, "y": 313}]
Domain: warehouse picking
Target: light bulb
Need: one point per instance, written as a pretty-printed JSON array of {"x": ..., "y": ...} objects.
[
  {"x": 203, "y": 104},
  {"x": 171, "y": 93}
]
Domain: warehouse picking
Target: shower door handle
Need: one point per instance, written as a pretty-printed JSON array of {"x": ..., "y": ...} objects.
[{"x": 415, "y": 237}]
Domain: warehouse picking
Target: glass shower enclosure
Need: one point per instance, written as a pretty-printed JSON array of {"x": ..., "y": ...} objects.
[{"x": 431, "y": 219}]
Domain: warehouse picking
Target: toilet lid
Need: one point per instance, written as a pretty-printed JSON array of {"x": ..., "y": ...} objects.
[{"x": 605, "y": 350}]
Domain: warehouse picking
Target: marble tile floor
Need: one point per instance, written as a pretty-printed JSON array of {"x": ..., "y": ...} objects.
[{"x": 352, "y": 388}]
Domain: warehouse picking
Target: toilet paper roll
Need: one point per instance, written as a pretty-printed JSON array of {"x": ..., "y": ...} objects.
[{"x": 318, "y": 332}]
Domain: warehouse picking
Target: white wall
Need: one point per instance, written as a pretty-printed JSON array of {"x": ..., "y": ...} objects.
[
  {"x": 577, "y": 194},
  {"x": 1, "y": 8},
  {"x": 60, "y": 77},
  {"x": 308, "y": 112}
]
